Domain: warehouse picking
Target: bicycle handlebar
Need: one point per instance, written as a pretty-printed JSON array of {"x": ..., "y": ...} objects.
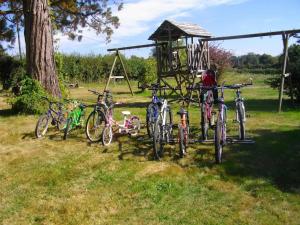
[{"x": 95, "y": 92}]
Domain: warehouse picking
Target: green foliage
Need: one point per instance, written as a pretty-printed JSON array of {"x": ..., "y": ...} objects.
[
  {"x": 253, "y": 61},
  {"x": 142, "y": 70},
  {"x": 11, "y": 70},
  {"x": 29, "y": 101},
  {"x": 293, "y": 68},
  {"x": 95, "y": 68}
]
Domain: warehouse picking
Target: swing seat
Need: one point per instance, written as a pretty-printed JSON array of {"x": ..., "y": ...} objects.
[
  {"x": 126, "y": 113},
  {"x": 117, "y": 77}
]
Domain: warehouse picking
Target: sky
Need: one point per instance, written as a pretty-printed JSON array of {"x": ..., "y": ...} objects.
[{"x": 140, "y": 18}]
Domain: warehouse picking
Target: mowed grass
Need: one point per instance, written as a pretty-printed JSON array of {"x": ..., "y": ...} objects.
[{"x": 51, "y": 181}]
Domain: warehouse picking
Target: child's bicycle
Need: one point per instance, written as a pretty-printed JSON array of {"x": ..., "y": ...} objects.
[
  {"x": 54, "y": 115},
  {"x": 75, "y": 118},
  {"x": 130, "y": 125}
]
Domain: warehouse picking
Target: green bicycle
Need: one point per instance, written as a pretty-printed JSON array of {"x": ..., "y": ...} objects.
[{"x": 75, "y": 118}]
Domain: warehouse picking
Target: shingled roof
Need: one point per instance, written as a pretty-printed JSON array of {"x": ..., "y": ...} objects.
[{"x": 178, "y": 30}]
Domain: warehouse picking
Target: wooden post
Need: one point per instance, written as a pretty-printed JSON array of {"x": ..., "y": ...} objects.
[
  {"x": 285, "y": 39},
  {"x": 125, "y": 72},
  {"x": 170, "y": 48},
  {"x": 111, "y": 71}
]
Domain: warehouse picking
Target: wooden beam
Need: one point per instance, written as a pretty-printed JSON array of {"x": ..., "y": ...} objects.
[
  {"x": 285, "y": 39},
  {"x": 289, "y": 32},
  {"x": 135, "y": 47}
]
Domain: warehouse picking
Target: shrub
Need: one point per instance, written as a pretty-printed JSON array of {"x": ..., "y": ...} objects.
[
  {"x": 294, "y": 68},
  {"x": 29, "y": 101},
  {"x": 11, "y": 70},
  {"x": 220, "y": 59}
]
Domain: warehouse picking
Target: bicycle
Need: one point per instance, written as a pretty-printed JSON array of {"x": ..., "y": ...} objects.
[
  {"x": 220, "y": 128},
  {"x": 240, "y": 112},
  {"x": 152, "y": 110},
  {"x": 129, "y": 126},
  {"x": 75, "y": 118},
  {"x": 183, "y": 130},
  {"x": 163, "y": 131},
  {"x": 206, "y": 100},
  {"x": 96, "y": 120},
  {"x": 56, "y": 116}
]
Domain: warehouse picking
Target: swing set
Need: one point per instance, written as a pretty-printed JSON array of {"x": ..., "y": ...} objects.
[{"x": 182, "y": 58}]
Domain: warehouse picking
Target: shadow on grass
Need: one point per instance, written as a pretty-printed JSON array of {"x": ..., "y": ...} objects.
[
  {"x": 265, "y": 105},
  {"x": 7, "y": 112},
  {"x": 141, "y": 146},
  {"x": 275, "y": 156}
]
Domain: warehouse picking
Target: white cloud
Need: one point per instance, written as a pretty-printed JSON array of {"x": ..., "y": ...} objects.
[
  {"x": 138, "y": 17},
  {"x": 135, "y": 17}
]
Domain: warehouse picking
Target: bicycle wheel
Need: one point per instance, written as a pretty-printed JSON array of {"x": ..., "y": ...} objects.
[
  {"x": 107, "y": 135},
  {"x": 157, "y": 140},
  {"x": 68, "y": 127},
  {"x": 169, "y": 123},
  {"x": 241, "y": 120},
  {"x": 182, "y": 142},
  {"x": 61, "y": 122},
  {"x": 204, "y": 124},
  {"x": 94, "y": 126},
  {"x": 152, "y": 112},
  {"x": 135, "y": 125},
  {"x": 218, "y": 142},
  {"x": 42, "y": 126}
]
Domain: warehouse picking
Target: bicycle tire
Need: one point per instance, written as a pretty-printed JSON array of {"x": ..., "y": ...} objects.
[
  {"x": 157, "y": 142},
  {"x": 218, "y": 142},
  {"x": 241, "y": 119},
  {"x": 169, "y": 123},
  {"x": 150, "y": 118},
  {"x": 182, "y": 142},
  {"x": 204, "y": 125},
  {"x": 107, "y": 133},
  {"x": 68, "y": 127},
  {"x": 97, "y": 119},
  {"x": 61, "y": 123},
  {"x": 39, "y": 134}
]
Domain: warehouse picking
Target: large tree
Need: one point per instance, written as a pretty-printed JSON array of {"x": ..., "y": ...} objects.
[{"x": 41, "y": 18}]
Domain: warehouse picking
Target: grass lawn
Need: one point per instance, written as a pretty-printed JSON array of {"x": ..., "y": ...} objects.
[{"x": 51, "y": 181}]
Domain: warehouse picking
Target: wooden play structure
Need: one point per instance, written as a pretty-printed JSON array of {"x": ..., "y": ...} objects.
[{"x": 182, "y": 53}]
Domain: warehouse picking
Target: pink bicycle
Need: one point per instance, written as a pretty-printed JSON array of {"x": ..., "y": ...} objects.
[{"x": 130, "y": 125}]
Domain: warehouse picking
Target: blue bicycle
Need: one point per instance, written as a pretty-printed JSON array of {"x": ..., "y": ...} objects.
[
  {"x": 55, "y": 115},
  {"x": 153, "y": 109}
]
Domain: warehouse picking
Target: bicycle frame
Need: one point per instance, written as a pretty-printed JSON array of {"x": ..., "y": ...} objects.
[
  {"x": 222, "y": 117},
  {"x": 238, "y": 100},
  {"x": 57, "y": 114}
]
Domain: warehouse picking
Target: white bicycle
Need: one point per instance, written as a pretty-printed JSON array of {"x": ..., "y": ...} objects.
[{"x": 163, "y": 131}]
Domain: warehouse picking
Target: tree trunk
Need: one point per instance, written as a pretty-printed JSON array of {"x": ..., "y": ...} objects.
[{"x": 40, "y": 62}]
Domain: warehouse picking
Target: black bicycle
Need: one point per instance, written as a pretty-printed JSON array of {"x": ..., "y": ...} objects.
[
  {"x": 97, "y": 119},
  {"x": 54, "y": 115}
]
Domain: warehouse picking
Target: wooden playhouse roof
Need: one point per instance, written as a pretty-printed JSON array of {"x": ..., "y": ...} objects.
[{"x": 178, "y": 30}]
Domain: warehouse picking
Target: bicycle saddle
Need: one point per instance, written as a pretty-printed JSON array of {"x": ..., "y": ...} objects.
[
  {"x": 126, "y": 113},
  {"x": 182, "y": 111}
]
